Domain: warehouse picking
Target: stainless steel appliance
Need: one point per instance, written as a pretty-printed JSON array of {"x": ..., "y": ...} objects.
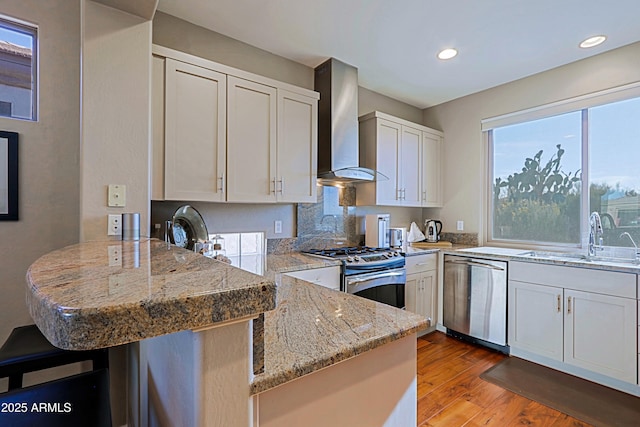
[
  {"x": 377, "y": 274},
  {"x": 338, "y": 145},
  {"x": 432, "y": 229},
  {"x": 377, "y": 230},
  {"x": 475, "y": 300},
  {"x": 396, "y": 237}
]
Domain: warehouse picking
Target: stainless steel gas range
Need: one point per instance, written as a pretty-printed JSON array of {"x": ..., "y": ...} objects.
[{"x": 374, "y": 273}]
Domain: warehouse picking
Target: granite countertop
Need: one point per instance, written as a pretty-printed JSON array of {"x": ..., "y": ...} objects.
[
  {"x": 107, "y": 293},
  {"x": 314, "y": 327},
  {"x": 102, "y": 294},
  {"x": 294, "y": 261},
  {"x": 542, "y": 257}
]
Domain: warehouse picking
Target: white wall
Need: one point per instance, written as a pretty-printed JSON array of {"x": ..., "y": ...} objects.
[
  {"x": 116, "y": 135},
  {"x": 49, "y": 155},
  {"x": 464, "y": 153},
  {"x": 115, "y": 116}
]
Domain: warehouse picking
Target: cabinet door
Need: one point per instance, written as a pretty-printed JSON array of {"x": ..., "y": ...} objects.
[
  {"x": 428, "y": 295},
  {"x": 411, "y": 292},
  {"x": 195, "y": 132},
  {"x": 410, "y": 166},
  {"x": 535, "y": 319},
  {"x": 431, "y": 170},
  {"x": 419, "y": 294},
  {"x": 251, "y": 141},
  {"x": 600, "y": 334},
  {"x": 297, "y": 148},
  {"x": 389, "y": 135}
]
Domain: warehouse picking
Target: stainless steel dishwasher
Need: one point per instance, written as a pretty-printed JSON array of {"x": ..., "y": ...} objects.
[{"x": 475, "y": 300}]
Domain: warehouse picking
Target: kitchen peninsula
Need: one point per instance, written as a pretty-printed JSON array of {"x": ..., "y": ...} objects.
[{"x": 189, "y": 322}]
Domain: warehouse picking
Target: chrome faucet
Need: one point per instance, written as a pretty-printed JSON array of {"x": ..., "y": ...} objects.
[
  {"x": 595, "y": 233},
  {"x": 637, "y": 256}
]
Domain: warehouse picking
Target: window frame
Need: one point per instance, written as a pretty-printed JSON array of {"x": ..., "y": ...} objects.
[
  {"x": 581, "y": 103},
  {"x": 32, "y": 30}
]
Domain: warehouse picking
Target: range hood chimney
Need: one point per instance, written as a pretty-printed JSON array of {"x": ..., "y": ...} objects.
[{"x": 338, "y": 151}]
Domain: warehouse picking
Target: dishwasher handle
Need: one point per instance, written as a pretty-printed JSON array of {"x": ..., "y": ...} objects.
[{"x": 474, "y": 264}]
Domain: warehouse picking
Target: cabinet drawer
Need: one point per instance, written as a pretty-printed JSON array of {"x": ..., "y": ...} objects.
[
  {"x": 582, "y": 279},
  {"x": 329, "y": 277},
  {"x": 418, "y": 263}
]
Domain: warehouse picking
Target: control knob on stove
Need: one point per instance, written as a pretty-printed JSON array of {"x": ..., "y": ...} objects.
[
  {"x": 349, "y": 258},
  {"x": 357, "y": 258}
]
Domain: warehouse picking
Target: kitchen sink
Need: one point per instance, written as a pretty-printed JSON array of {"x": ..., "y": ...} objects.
[
  {"x": 557, "y": 255},
  {"x": 571, "y": 256}
]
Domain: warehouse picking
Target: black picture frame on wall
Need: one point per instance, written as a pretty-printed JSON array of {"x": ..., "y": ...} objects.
[{"x": 8, "y": 176}]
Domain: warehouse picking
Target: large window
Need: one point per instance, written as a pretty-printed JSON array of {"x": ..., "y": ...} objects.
[
  {"x": 548, "y": 174},
  {"x": 17, "y": 70}
]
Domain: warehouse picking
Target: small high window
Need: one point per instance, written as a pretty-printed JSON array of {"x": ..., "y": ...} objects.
[{"x": 18, "y": 70}]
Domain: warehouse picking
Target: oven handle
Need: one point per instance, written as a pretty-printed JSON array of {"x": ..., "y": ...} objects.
[
  {"x": 369, "y": 277},
  {"x": 355, "y": 284}
]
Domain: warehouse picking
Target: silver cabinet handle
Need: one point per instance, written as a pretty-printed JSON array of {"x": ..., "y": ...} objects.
[
  {"x": 221, "y": 188},
  {"x": 568, "y": 305},
  {"x": 273, "y": 182},
  {"x": 281, "y": 181},
  {"x": 383, "y": 274},
  {"x": 559, "y": 304}
]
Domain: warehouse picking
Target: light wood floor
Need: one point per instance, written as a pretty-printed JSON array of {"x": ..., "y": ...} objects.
[{"x": 451, "y": 394}]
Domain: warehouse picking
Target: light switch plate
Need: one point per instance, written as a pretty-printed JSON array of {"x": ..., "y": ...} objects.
[{"x": 117, "y": 195}]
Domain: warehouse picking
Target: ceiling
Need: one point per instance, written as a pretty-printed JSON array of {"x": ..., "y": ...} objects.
[{"x": 394, "y": 43}]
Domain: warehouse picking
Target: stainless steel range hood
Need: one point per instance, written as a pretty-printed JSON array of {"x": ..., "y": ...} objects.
[{"x": 338, "y": 151}]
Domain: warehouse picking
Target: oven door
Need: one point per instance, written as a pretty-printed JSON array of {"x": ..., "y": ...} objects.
[{"x": 385, "y": 286}]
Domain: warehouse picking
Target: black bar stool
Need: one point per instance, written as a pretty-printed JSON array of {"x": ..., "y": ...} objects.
[
  {"x": 78, "y": 400},
  {"x": 27, "y": 350}
]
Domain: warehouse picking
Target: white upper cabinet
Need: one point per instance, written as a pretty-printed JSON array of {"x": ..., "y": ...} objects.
[
  {"x": 408, "y": 154},
  {"x": 251, "y": 142},
  {"x": 431, "y": 169},
  {"x": 297, "y": 151},
  {"x": 410, "y": 166},
  {"x": 225, "y": 135},
  {"x": 195, "y": 132}
]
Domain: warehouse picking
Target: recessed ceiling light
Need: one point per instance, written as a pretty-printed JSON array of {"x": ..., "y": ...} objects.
[
  {"x": 592, "y": 41},
  {"x": 447, "y": 53}
]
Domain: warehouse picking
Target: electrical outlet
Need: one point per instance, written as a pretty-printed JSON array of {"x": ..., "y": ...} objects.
[
  {"x": 277, "y": 227},
  {"x": 460, "y": 225},
  {"x": 114, "y": 226}
]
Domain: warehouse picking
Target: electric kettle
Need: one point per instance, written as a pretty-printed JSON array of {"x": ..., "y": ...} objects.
[{"x": 432, "y": 229}]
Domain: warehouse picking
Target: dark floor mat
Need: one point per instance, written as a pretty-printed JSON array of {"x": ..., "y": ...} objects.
[{"x": 581, "y": 399}]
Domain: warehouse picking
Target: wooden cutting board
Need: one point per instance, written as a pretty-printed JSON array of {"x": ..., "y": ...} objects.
[{"x": 429, "y": 245}]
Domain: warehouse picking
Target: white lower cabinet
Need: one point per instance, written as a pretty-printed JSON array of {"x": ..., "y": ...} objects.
[
  {"x": 589, "y": 330},
  {"x": 600, "y": 334},
  {"x": 421, "y": 285},
  {"x": 329, "y": 277},
  {"x": 535, "y": 319}
]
